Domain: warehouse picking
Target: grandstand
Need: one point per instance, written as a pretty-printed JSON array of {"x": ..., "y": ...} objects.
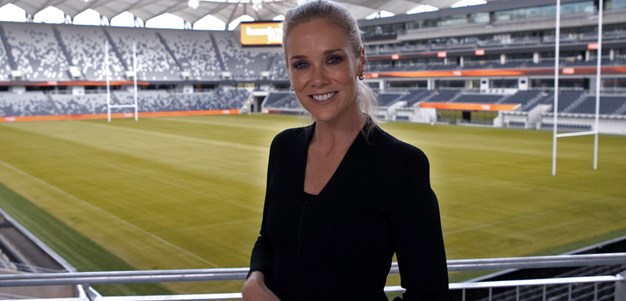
[{"x": 481, "y": 55}]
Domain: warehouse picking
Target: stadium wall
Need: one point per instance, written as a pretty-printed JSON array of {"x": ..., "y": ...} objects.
[
  {"x": 607, "y": 125},
  {"x": 117, "y": 115}
]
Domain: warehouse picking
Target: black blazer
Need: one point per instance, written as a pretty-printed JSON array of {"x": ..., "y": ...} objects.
[{"x": 339, "y": 244}]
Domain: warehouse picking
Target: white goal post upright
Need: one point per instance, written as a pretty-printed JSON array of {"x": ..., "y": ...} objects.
[
  {"x": 135, "y": 104},
  {"x": 595, "y": 129},
  {"x": 555, "y": 107},
  {"x": 107, "y": 71},
  {"x": 135, "y": 80},
  {"x": 598, "y": 85}
]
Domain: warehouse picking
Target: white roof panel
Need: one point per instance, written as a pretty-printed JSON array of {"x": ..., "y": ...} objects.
[{"x": 225, "y": 10}]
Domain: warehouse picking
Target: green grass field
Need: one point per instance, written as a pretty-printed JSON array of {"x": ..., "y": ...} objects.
[{"x": 187, "y": 192}]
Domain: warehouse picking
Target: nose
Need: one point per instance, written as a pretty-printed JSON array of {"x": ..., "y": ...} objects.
[{"x": 320, "y": 76}]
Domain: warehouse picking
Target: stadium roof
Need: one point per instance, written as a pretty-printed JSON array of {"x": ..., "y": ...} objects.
[{"x": 225, "y": 10}]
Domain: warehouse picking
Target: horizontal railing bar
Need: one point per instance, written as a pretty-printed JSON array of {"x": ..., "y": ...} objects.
[
  {"x": 68, "y": 299},
  {"x": 152, "y": 276},
  {"x": 536, "y": 282},
  {"x": 125, "y": 273},
  {"x": 536, "y": 262},
  {"x": 190, "y": 297},
  {"x": 79, "y": 279},
  {"x": 224, "y": 296}
]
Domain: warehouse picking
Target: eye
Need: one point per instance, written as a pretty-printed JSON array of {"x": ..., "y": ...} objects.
[
  {"x": 334, "y": 60},
  {"x": 300, "y": 65}
]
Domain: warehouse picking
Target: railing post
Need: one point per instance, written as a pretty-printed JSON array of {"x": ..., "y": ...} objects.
[
  {"x": 90, "y": 293},
  {"x": 620, "y": 288}
]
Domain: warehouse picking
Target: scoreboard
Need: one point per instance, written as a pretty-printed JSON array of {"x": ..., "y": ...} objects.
[{"x": 266, "y": 33}]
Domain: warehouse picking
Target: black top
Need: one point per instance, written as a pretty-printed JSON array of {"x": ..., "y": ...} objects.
[{"x": 339, "y": 244}]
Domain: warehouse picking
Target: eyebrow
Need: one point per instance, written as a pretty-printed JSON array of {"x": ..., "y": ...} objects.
[{"x": 326, "y": 52}]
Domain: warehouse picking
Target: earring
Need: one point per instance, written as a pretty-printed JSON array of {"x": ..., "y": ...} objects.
[{"x": 362, "y": 76}]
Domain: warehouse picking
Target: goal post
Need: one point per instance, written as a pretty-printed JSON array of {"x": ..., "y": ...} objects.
[
  {"x": 595, "y": 130},
  {"x": 110, "y": 106}
]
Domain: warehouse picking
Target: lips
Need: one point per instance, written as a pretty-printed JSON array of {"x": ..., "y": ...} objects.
[{"x": 323, "y": 97}]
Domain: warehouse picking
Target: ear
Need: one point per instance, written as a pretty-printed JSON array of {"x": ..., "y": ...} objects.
[{"x": 362, "y": 61}]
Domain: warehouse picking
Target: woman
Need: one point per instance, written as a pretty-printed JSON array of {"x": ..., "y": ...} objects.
[{"x": 342, "y": 195}]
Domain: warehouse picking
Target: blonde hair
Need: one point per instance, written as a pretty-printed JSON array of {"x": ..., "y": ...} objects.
[{"x": 340, "y": 16}]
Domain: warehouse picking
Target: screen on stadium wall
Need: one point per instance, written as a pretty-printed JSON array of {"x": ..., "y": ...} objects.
[{"x": 266, "y": 33}]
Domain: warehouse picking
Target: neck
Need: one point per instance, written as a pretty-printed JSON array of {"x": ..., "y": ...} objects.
[{"x": 337, "y": 133}]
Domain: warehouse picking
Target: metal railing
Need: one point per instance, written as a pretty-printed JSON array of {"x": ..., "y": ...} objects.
[{"x": 569, "y": 288}]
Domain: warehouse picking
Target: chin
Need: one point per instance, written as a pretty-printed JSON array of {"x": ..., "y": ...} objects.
[{"x": 321, "y": 117}]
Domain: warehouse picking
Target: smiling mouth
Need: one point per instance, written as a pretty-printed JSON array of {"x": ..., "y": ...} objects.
[{"x": 323, "y": 97}]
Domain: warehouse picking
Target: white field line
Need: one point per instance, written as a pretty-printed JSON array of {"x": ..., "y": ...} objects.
[
  {"x": 269, "y": 127},
  {"x": 106, "y": 213},
  {"x": 186, "y": 138},
  {"x": 521, "y": 217},
  {"x": 214, "y": 225}
]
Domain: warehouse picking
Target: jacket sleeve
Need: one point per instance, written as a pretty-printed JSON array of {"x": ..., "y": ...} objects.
[
  {"x": 262, "y": 258},
  {"x": 417, "y": 234}
]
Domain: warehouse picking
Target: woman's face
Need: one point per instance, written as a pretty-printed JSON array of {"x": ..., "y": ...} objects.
[{"x": 323, "y": 69}]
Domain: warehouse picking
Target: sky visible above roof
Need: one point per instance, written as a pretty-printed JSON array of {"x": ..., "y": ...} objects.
[{"x": 194, "y": 14}]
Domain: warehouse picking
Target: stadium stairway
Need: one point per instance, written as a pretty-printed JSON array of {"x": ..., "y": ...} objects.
[
  {"x": 53, "y": 105},
  {"x": 270, "y": 63},
  {"x": 107, "y": 34},
  {"x": 169, "y": 50},
  {"x": 66, "y": 53},
  {"x": 7, "y": 49},
  {"x": 621, "y": 110},
  {"x": 572, "y": 106},
  {"x": 218, "y": 52},
  {"x": 539, "y": 99}
]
